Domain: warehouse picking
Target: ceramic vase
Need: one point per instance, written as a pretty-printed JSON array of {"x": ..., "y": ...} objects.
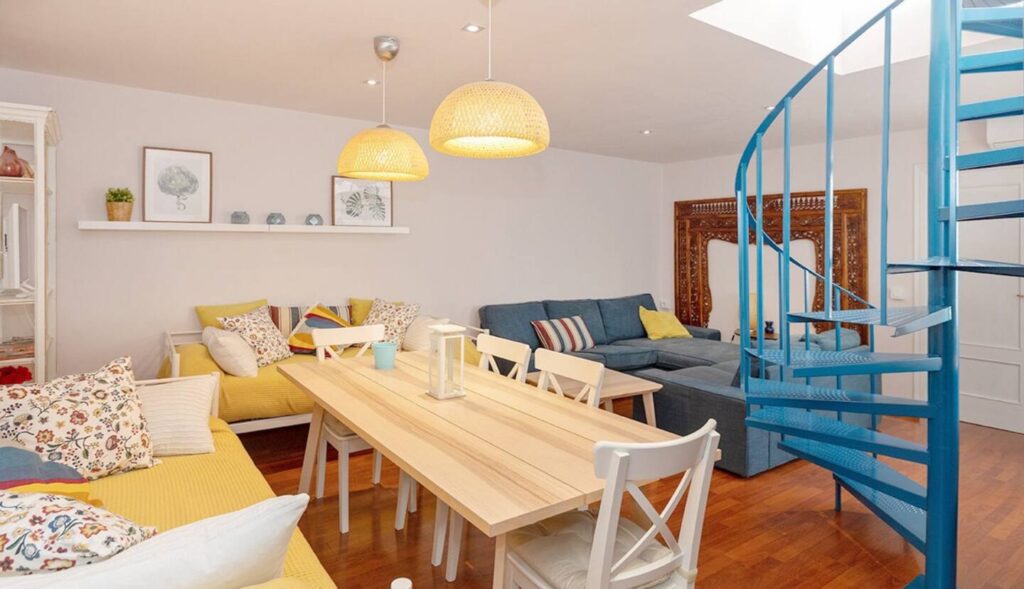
[{"x": 10, "y": 164}]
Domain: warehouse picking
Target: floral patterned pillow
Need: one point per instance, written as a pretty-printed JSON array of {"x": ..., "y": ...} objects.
[
  {"x": 258, "y": 330},
  {"x": 91, "y": 422},
  {"x": 395, "y": 318},
  {"x": 41, "y": 533}
]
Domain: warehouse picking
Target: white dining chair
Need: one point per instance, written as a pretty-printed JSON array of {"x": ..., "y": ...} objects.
[
  {"x": 622, "y": 554},
  {"x": 553, "y": 365},
  {"x": 329, "y": 343},
  {"x": 493, "y": 348}
]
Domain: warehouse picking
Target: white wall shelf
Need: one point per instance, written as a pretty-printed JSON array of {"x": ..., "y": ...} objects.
[
  {"x": 232, "y": 228},
  {"x": 17, "y": 185}
]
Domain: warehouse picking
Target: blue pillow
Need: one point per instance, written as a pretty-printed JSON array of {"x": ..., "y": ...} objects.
[
  {"x": 514, "y": 321},
  {"x": 622, "y": 316}
]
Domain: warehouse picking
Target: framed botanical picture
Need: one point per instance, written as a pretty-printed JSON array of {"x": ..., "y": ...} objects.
[
  {"x": 177, "y": 185},
  {"x": 364, "y": 203}
]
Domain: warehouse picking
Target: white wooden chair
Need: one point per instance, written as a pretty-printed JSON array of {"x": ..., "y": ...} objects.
[
  {"x": 344, "y": 440},
  {"x": 554, "y": 364},
  {"x": 622, "y": 554},
  {"x": 493, "y": 348}
]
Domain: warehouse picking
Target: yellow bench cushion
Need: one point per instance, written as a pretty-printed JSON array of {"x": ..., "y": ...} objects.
[{"x": 184, "y": 489}]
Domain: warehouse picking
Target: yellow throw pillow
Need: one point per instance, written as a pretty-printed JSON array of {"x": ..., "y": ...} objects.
[
  {"x": 470, "y": 353},
  {"x": 360, "y": 308},
  {"x": 208, "y": 314},
  {"x": 662, "y": 324}
]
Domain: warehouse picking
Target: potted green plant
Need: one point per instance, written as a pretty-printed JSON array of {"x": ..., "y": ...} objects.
[{"x": 119, "y": 204}]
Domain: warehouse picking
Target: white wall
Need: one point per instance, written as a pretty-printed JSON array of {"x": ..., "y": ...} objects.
[
  {"x": 560, "y": 224},
  {"x": 858, "y": 165}
]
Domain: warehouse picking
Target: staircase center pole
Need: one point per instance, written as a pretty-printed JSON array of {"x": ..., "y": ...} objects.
[{"x": 943, "y": 385}]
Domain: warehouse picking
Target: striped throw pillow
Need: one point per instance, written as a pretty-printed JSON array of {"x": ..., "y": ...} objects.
[{"x": 568, "y": 334}]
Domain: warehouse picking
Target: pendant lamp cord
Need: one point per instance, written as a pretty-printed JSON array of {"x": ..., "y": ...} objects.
[
  {"x": 489, "y": 31},
  {"x": 384, "y": 93}
]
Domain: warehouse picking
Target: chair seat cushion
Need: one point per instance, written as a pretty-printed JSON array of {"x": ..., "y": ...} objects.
[
  {"x": 618, "y": 357},
  {"x": 558, "y": 549}
]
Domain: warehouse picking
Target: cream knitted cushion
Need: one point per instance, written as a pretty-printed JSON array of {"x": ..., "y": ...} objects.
[{"x": 178, "y": 415}]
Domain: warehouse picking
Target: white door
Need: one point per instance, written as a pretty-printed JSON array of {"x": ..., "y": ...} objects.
[{"x": 992, "y": 307}]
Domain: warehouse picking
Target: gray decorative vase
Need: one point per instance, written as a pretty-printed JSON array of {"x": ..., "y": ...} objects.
[
  {"x": 314, "y": 219},
  {"x": 239, "y": 218},
  {"x": 275, "y": 219}
]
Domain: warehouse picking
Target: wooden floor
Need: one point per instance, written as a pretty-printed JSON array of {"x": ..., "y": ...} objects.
[{"x": 777, "y": 530}]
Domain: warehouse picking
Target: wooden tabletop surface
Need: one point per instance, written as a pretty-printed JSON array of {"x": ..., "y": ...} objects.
[
  {"x": 616, "y": 385},
  {"x": 504, "y": 456}
]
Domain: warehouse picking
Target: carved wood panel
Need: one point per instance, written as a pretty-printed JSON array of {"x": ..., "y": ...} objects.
[{"x": 697, "y": 222}]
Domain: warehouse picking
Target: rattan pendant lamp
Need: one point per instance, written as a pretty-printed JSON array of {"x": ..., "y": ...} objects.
[
  {"x": 383, "y": 153},
  {"x": 489, "y": 119}
]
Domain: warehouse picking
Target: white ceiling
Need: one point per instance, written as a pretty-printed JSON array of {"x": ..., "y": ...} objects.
[{"x": 603, "y": 70}]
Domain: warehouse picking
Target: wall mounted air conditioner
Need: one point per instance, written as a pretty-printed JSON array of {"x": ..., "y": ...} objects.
[{"x": 1005, "y": 132}]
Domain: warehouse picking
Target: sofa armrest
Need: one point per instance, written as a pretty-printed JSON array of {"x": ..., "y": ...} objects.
[{"x": 704, "y": 333}]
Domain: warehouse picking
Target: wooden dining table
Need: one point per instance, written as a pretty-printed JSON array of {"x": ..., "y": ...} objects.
[{"x": 503, "y": 456}]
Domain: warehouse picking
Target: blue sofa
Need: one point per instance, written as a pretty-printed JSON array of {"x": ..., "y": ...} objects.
[{"x": 699, "y": 374}]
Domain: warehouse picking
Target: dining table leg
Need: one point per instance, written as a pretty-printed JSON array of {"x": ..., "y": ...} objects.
[
  {"x": 649, "y": 409},
  {"x": 316, "y": 423},
  {"x": 500, "y": 552}
]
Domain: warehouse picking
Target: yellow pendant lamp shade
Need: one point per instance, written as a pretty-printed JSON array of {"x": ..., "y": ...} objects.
[
  {"x": 489, "y": 120},
  {"x": 383, "y": 154}
]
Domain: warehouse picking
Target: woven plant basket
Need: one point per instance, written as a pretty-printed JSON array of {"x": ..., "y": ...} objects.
[{"x": 119, "y": 211}]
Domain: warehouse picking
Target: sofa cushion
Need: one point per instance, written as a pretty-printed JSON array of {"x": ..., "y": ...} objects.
[
  {"x": 826, "y": 340},
  {"x": 711, "y": 374},
  {"x": 585, "y": 308},
  {"x": 620, "y": 357},
  {"x": 622, "y": 316},
  {"x": 686, "y": 352},
  {"x": 513, "y": 321}
]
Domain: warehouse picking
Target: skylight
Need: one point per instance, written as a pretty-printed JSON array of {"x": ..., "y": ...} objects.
[{"x": 809, "y": 29}]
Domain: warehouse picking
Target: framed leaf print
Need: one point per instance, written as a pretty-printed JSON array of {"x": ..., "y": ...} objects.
[
  {"x": 177, "y": 185},
  {"x": 361, "y": 203}
]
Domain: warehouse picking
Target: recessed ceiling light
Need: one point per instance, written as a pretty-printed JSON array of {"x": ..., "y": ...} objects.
[
  {"x": 646, "y": 132},
  {"x": 768, "y": 107},
  {"x": 371, "y": 82},
  {"x": 472, "y": 28}
]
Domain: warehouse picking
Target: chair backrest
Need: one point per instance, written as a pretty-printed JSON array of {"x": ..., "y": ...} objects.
[
  {"x": 326, "y": 340},
  {"x": 493, "y": 347},
  {"x": 623, "y": 465},
  {"x": 554, "y": 364}
]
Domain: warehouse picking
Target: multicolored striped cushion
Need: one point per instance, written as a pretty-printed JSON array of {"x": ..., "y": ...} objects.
[
  {"x": 568, "y": 334},
  {"x": 295, "y": 326}
]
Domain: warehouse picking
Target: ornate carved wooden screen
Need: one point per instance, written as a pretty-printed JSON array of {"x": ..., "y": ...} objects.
[{"x": 700, "y": 221}]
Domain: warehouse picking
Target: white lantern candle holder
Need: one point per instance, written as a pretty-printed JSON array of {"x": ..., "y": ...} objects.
[{"x": 447, "y": 361}]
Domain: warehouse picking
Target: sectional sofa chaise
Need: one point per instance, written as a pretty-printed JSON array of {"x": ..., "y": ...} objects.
[{"x": 699, "y": 374}]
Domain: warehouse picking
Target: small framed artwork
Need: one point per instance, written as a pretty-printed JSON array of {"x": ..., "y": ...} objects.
[
  {"x": 177, "y": 185},
  {"x": 362, "y": 203}
]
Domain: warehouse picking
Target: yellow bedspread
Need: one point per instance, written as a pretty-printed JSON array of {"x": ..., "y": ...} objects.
[
  {"x": 268, "y": 394},
  {"x": 183, "y": 489}
]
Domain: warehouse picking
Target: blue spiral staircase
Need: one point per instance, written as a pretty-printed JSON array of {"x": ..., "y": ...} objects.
[{"x": 777, "y": 379}]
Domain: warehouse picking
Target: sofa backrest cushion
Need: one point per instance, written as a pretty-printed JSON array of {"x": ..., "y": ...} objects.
[
  {"x": 621, "y": 316},
  {"x": 512, "y": 321},
  {"x": 585, "y": 308}
]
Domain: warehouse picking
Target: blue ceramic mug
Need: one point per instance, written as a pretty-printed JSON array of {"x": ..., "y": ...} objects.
[{"x": 384, "y": 355}]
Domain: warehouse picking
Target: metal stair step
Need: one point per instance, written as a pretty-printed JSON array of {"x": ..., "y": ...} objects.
[
  {"x": 999, "y": 61},
  {"x": 943, "y": 263},
  {"x": 907, "y": 520},
  {"x": 812, "y": 426},
  {"x": 859, "y": 467},
  {"x": 1008, "y": 156},
  {"x": 904, "y": 319},
  {"x": 991, "y": 109},
  {"x": 776, "y": 393},
  {"x": 809, "y": 363},
  {"x": 1009, "y": 209},
  {"x": 1008, "y": 22}
]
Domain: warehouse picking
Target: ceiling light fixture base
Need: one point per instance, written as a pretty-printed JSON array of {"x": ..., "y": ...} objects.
[{"x": 386, "y": 47}]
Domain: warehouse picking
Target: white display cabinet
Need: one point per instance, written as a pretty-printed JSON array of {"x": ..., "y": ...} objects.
[{"x": 28, "y": 264}]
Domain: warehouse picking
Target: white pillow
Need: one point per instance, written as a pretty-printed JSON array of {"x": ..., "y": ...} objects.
[
  {"x": 230, "y": 352},
  {"x": 417, "y": 337},
  {"x": 178, "y": 415},
  {"x": 237, "y": 549}
]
